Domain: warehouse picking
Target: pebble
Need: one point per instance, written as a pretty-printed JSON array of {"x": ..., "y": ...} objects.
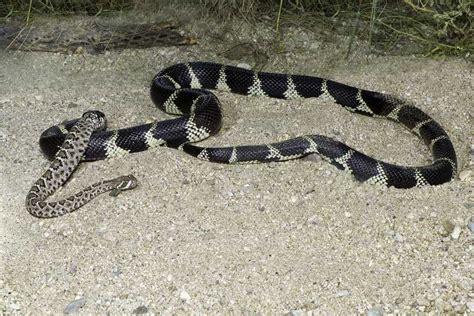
[
  {"x": 460, "y": 309},
  {"x": 422, "y": 302},
  {"x": 116, "y": 271},
  {"x": 343, "y": 293},
  {"x": 314, "y": 46},
  {"x": 439, "y": 304},
  {"x": 447, "y": 307},
  {"x": 312, "y": 157},
  {"x": 470, "y": 225},
  {"x": 3, "y": 134},
  {"x": 469, "y": 205},
  {"x": 448, "y": 228},
  {"x": 465, "y": 175},
  {"x": 74, "y": 306},
  {"x": 140, "y": 310},
  {"x": 399, "y": 238},
  {"x": 456, "y": 233},
  {"x": 375, "y": 311},
  {"x": 470, "y": 306},
  {"x": 313, "y": 220},
  {"x": 244, "y": 65},
  {"x": 184, "y": 296},
  {"x": 15, "y": 306},
  {"x": 466, "y": 285},
  {"x": 73, "y": 267}
]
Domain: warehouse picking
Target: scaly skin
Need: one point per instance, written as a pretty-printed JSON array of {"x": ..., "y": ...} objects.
[{"x": 63, "y": 165}]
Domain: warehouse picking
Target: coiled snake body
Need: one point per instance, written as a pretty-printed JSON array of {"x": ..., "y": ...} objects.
[{"x": 181, "y": 89}]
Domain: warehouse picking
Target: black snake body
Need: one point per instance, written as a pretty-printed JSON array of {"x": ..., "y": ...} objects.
[{"x": 181, "y": 89}]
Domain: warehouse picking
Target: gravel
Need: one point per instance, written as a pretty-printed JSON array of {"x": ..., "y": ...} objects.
[
  {"x": 74, "y": 306},
  {"x": 197, "y": 237}
]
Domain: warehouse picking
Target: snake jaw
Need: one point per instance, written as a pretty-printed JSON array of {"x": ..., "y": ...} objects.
[{"x": 123, "y": 183}]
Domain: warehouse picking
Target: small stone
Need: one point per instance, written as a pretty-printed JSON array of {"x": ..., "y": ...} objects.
[
  {"x": 309, "y": 190},
  {"x": 244, "y": 65},
  {"x": 116, "y": 271},
  {"x": 448, "y": 228},
  {"x": 399, "y": 238},
  {"x": 150, "y": 236},
  {"x": 315, "y": 46},
  {"x": 3, "y": 134},
  {"x": 72, "y": 105},
  {"x": 447, "y": 307},
  {"x": 375, "y": 311},
  {"x": 422, "y": 302},
  {"x": 431, "y": 296},
  {"x": 15, "y": 306},
  {"x": 465, "y": 175},
  {"x": 470, "y": 306},
  {"x": 312, "y": 157},
  {"x": 410, "y": 216},
  {"x": 470, "y": 225},
  {"x": 439, "y": 303},
  {"x": 140, "y": 310},
  {"x": 313, "y": 220},
  {"x": 73, "y": 267},
  {"x": 74, "y": 306},
  {"x": 456, "y": 233},
  {"x": 460, "y": 309},
  {"x": 184, "y": 296},
  {"x": 466, "y": 285},
  {"x": 343, "y": 293}
]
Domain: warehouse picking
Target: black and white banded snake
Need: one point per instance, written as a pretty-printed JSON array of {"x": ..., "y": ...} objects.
[{"x": 181, "y": 89}]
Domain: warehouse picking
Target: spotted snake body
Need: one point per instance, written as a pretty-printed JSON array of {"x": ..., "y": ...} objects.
[
  {"x": 65, "y": 161},
  {"x": 181, "y": 89}
]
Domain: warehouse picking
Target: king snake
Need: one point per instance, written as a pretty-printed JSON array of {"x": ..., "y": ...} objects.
[{"x": 181, "y": 89}]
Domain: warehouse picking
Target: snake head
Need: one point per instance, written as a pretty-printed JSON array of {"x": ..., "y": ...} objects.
[
  {"x": 97, "y": 118},
  {"x": 123, "y": 183}
]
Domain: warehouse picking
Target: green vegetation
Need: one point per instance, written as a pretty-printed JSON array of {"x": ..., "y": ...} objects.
[
  {"x": 27, "y": 8},
  {"x": 435, "y": 27}
]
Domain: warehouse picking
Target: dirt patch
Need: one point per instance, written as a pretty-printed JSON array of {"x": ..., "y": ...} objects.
[{"x": 203, "y": 237}]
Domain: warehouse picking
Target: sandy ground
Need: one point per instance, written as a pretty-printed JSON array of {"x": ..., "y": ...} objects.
[{"x": 202, "y": 237}]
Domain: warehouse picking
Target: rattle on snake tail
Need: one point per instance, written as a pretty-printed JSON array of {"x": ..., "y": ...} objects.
[{"x": 63, "y": 165}]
